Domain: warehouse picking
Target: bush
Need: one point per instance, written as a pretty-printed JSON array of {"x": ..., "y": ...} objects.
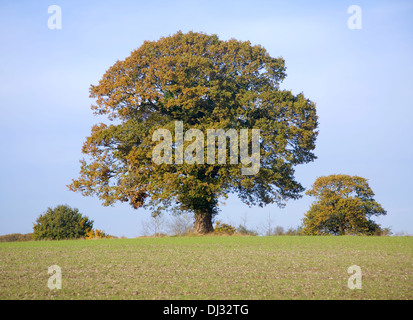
[
  {"x": 223, "y": 228},
  {"x": 62, "y": 222},
  {"x": 294, "y": 231},
  {"x": 97, "y": 234},
  {"x": 246, "y": 232},
  {"x": 385, "y": 232},
  {"x": 279, "y": 231}
]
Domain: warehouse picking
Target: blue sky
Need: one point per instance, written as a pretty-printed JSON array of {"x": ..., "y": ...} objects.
[{"x": 361, "y": 81}]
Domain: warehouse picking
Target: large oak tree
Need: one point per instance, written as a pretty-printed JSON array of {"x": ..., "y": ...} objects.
[{"x": 205, "y": 83}]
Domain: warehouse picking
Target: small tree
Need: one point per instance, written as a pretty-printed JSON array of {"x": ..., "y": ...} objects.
[
  {"x": 181, "y": 224},
  {"x": 277, "y": 231},
  {"x": 344, "y": 205},
  {"x": 267, "y": 226},
  {"x": 62, "y": 222},
  {"x": 154, "y": 226}
]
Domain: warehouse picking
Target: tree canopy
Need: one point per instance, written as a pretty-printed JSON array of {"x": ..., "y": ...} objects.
[
  {"x": 344, "y": 205},
  {"x": 205, "y": 83}
]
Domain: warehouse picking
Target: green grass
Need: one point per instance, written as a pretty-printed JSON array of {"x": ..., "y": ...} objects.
[{"x": 221, "y": 267}]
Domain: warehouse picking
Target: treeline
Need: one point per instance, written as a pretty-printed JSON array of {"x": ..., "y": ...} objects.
[
  {"x": 16, "y": 237},
  {"x": 182, "y": 225},
  {"x": 243, "y": 230}
]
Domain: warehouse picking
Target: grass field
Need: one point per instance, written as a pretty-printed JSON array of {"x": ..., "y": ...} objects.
[{"x": 219, "y": 267}]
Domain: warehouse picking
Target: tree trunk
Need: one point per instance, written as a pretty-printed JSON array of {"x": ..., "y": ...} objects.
[
  {"x": 341, "y": 229},
  {"x": 203, "y": 222}
]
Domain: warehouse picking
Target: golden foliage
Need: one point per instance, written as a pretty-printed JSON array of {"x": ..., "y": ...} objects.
[
  {"x": 224, "y": 228},
  {"x": 97, "y": 234},
  {"x": 344, "y": 205},
  {"x": 206, "y": 83}
]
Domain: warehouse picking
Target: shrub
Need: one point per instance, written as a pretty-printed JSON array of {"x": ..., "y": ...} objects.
[
  {"x": 294, "y": 231},
  {"x": 97, "y": 234},
  {"x": 382, "y": 232},
  {"x": 280, "y": 231},
  {"x": 62, "y": 222},
  {"x": 244, "y": 231},
  {"x": 277, "y": 231},
  {"x": 223, "y": 228}
]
